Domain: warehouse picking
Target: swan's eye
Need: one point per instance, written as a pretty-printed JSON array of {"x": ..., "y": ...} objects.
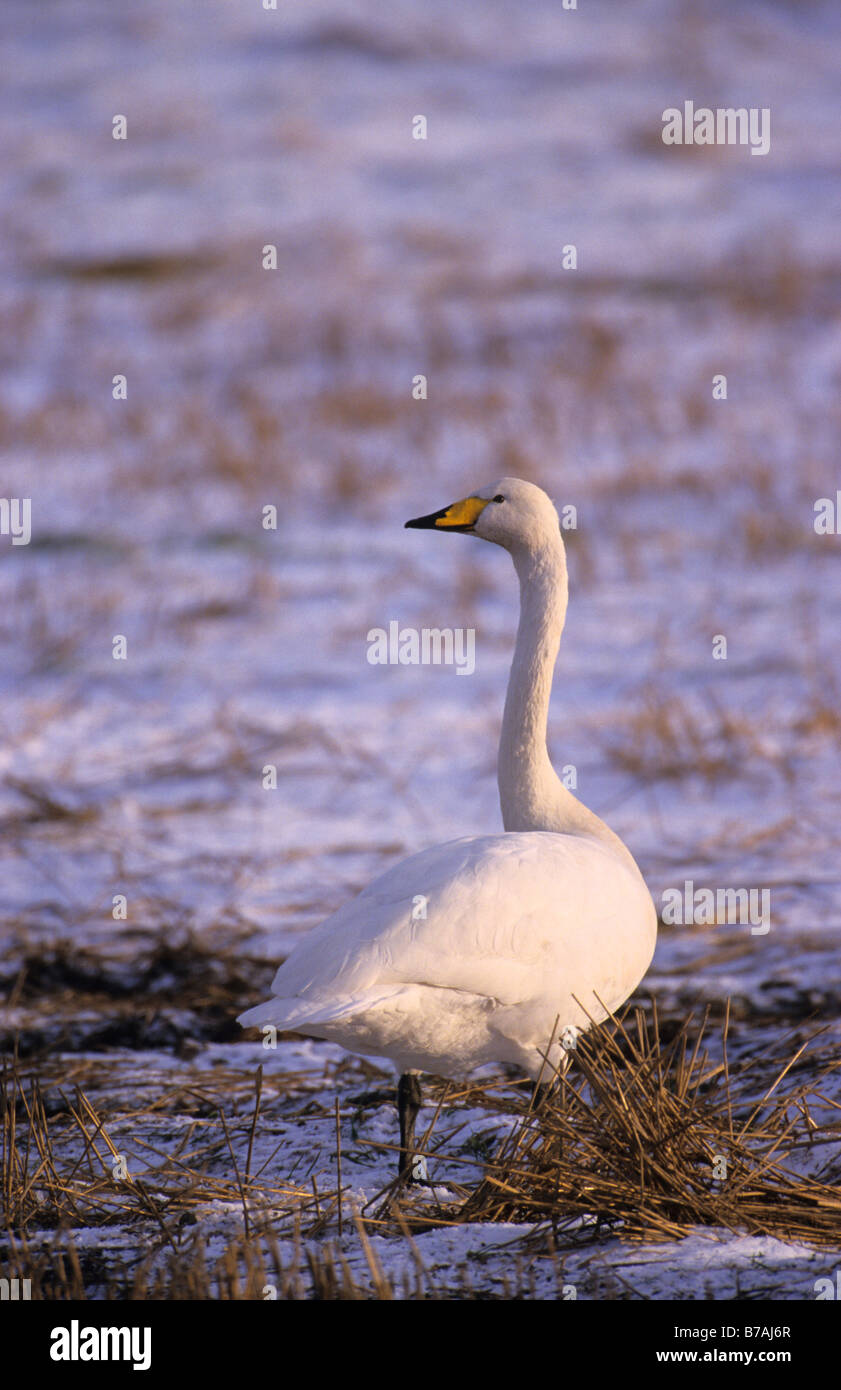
[{"x": 499, "y": 497}]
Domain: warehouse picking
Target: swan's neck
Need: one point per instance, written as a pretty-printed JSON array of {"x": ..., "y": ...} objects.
[
  {"x": 531, "y": 795},
  {"x": 527, "y": 780}
]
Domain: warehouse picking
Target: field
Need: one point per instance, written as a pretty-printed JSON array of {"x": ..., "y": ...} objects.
[{"x": 150, "y": 1147}]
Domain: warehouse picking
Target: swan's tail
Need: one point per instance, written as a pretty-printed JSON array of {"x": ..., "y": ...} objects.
[{"x": 297, "y": 1013}]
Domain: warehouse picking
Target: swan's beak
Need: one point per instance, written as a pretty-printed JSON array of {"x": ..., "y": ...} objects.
[{"x": 461, "y": 516}]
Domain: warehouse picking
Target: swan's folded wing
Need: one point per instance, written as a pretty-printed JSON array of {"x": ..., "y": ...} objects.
[{"x": 499, "y": 916}]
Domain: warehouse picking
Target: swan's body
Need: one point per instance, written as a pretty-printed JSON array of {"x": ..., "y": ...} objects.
[
  {"x": 484, "y": 949},
  {"x": 518, "y": 927}
]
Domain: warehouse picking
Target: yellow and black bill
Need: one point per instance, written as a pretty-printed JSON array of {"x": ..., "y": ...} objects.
[{"x": 460, "y": 516}]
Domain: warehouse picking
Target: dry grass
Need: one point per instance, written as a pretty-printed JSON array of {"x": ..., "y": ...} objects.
[
  {"x": 645, "y": 1136},
  {"x": 667, "y": 736},
  {"x": 174, "y": 990},
  {"x": 246, "y": 1269},
  {"x": 639, "y": 1133},
  {"x": 50, "y": 1181},
  {"x": 49, "y": 1184}
]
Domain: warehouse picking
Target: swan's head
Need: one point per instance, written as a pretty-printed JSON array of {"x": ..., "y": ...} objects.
[{"x": 511, "y": 513}]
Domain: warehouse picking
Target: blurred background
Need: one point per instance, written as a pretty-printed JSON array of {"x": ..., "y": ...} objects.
[{"x": 292, "y": 387}]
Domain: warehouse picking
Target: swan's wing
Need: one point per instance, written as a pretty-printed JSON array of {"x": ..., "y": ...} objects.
[{"x": 506, "y": 917}]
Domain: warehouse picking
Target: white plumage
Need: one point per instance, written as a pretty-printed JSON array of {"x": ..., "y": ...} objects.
[
  {"x": 518, "y": 928},
  {"x": 544, "y": 924}
]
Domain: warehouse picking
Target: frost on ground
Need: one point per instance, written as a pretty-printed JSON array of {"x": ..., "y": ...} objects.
[
  {"x": 217, "y": 1173},
  {"x": 247, "y": 647}
]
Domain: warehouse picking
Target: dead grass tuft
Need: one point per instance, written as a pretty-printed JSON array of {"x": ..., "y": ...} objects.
[
  {"x": 654, "y": 1139},
  {"x": 646, "y": 1136},
  {"x": 667, "y": 736}
]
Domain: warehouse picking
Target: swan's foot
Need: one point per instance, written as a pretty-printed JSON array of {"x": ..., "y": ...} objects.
[{"x": 412, "y": 1166}]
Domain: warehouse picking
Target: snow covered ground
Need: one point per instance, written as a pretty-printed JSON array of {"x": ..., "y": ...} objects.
[{"x": 292, "y": 388}]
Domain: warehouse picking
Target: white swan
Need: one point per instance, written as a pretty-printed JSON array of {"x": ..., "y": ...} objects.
[{"x": 526, "y": 933}]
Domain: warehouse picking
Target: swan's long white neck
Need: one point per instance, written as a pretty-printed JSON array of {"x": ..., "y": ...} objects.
[
  {"x": 528, "y": 785},
  {"x": 531, "y": 795}
]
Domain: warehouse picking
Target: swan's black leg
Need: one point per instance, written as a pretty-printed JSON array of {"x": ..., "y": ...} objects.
[
  {"x": 539, "y": 1093},
  {"x": 409, "y": 1100}
]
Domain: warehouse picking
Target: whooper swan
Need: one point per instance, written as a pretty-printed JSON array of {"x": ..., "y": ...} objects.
[{"x": 527, "y": 932}]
